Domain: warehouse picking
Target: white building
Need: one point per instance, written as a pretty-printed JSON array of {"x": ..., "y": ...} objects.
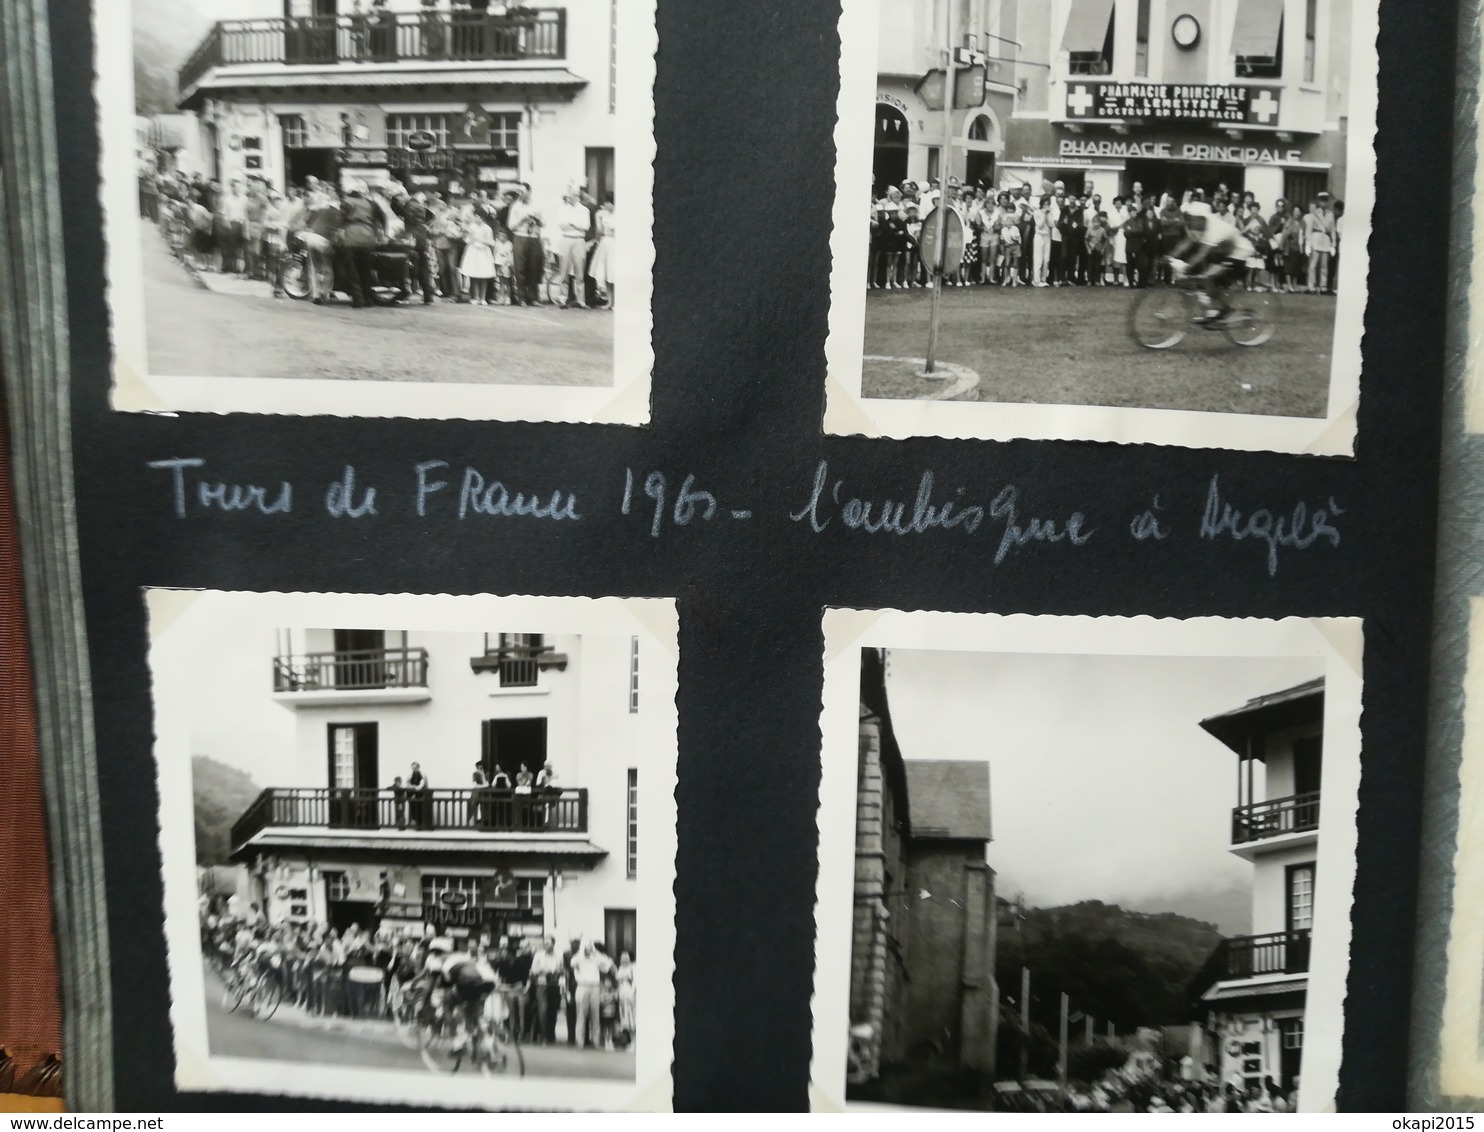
[
  {"x": 1257, "y": 984},
  {"x": 350, "y": 839},
  {"x": 437, "y": 97},
  {"x": 1104, "y": 94}
]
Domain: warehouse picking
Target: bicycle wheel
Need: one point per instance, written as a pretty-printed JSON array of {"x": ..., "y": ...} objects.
[
  {"x": 1252, "y": 318},
  {"x": 1160, "y": 317},
  {"x": 266, "y": 997},
  {"x": 435, "y": 1044},
  {"x": 235, "y": 991},
  {"x": 407, "y": 1009},
  {"x": 296, "y": 276},
  {"x": 500, "y": 1053}
]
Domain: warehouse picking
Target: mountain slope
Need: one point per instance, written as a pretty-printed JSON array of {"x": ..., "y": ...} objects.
[{"x": 222, "y": 795}]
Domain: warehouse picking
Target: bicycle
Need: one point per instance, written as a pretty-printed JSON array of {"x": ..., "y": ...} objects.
[
  {"x": 445, "y": 1047},
  {"x": 260, "y": 990},
  {"x": 1161, "y": 316}
]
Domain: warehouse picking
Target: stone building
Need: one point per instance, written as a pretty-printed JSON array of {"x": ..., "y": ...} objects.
[{"x": 922, "y": 986}]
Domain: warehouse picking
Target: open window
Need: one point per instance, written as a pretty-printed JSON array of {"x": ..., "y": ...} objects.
[
  {"x": 1257, "y": 40},
  {"x": 1088, "y": 39}
]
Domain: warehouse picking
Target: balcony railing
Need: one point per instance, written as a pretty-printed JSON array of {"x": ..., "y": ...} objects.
[
  {"x": 486, "y": 810},
  {"x": 361, "y": 669},
  {"x": 535, "y": 33},
  {"x": 1281, "y": 953},
  {"x": 1261, "y": 820}
]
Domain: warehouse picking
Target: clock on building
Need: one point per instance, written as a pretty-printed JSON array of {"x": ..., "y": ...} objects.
[{"x": 1186, "y": 31}]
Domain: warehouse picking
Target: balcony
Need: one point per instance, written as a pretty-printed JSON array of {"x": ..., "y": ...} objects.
[
  {"x": 422, "y": 37},
  {"x": 1254, "y": 956},
  {"x": 362, "y": 676},
  {"x": 404, "y": 811},
  {"x": 1278, "y": 817}
]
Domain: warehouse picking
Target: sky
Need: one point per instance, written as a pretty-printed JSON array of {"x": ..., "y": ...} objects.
[{"x": 1102, "y": 784}]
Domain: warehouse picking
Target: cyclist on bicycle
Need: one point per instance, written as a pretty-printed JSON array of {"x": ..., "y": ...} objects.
[
  {"x": 1213, "y": 256},
  {"x": 468, "y": 980}
]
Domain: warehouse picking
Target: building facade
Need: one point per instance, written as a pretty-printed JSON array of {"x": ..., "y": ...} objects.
[
  {"x": 1252, "y": 992},
  {"x": 1101, "y": 95},
  {"x": 437, "y": 97},
  {"x": 355, "y": 837},
  {"x": 922, "y": 985}
]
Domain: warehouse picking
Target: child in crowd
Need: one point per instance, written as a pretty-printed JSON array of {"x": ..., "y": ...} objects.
[
  {"x": 504, "y": 268},
  {"x": 1010, "y": 248}
]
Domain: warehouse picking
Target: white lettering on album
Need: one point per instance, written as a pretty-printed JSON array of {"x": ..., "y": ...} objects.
[{"x": 827, "y": 505}]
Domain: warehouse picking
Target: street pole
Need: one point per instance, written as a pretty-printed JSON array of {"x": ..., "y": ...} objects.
[
  {"x": 1025, "y": 1021},
  {"x": 943, "y": 164},
  {"x": 1089, "y": 1029},
  {"x": 1061, "y": 1056}
]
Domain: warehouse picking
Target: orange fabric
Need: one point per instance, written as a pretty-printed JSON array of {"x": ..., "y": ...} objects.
[
  {"x": 10, "y": 1102},
  {"x": 30, "y": 1005}
]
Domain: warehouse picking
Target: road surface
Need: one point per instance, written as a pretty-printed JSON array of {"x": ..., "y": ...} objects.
[
  {"x": 292, "y": 1035},
  {"x": 195, "y": 332}
]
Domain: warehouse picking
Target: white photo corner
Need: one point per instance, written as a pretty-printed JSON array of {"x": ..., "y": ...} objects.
[
  {"x": 1039, "y": 890},
  {"x": 1155, "y": 230},
  {"x": 379, "y": 207},
  {"x": 428, "y": 859}
]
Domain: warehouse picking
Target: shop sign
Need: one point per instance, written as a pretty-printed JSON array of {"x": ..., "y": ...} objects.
[
  {"x": 1174, "y": 102},
  {"x": 420, "y": 141},
  {"x": 1180, "y": 151},
  {"x": 891, "y": 100},
  {"x": 968, "y": 88}
]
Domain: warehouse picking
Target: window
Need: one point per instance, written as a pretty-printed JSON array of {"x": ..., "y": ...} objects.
[
  {"x": 516, "y": 653},
  {"x": 295, "y": 131},
  {"x": 1300, "y": 898},
  {"x": 1141, "y": 42},
  {"x": 1311, "y": 38},
  {"x": 399, "y": 127},
  {"x": 343, "y": 774},
  {"x": 599, "y": 165},
  {"x": 1088, "y": 39},
  {"x": 633, "y": 675},
  {"x": 466, "y": 891},
  {"x": 1257, "y": 39},
  {"x": 620, "y": 931},
  {"x": 337, "y": 887},
  {"x": 353, "y": 756},
  {"x": 934, "y": 163},
  {"x": 632, "y": 840},
  {"x": 1292, "y": 1032},
  {"x": 530, "y": 893},
  {"x": 505, "y": 132},
  {"x": 979, "y": 129}
]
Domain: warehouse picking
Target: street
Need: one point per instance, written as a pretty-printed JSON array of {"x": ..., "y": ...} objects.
[
  {"x": 294, "y": 1035},
  {"x": 236, "y": 329},
  {"x": 1071, "y": 346}
]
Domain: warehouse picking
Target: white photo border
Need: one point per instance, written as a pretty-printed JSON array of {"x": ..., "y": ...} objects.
[
  {"x": 1336, "y": 641},
  {"x": 625, "y": 401},
  {"x": 848, "y": 412},
  {"x": 654, "y": 622}
]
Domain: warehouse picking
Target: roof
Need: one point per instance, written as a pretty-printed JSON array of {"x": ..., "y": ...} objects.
[
  {"x": 522, "y": 846},
  {"x": 279, "y": 78},
  {"x": 1303, "y": 703},
  {"x": 1228, "y": 992},
  {"x": 948, "y": 800}
]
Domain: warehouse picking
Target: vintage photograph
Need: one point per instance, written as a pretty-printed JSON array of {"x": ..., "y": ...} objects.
[
  {"x": 380, "y": 203},
  {"x": 1057, "y": 902},
  {"x": 1151, "y": 214},
  {"x": 418, "y": 854}
]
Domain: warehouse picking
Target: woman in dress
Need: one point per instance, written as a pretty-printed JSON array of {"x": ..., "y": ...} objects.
[
  {"x": 478, "y": 264},
  {"x": 601, "y": 268},
  {"x": 1118, "y": 218},
  {"x": 626, "y": 999},
  {"x": 1295, "y": 259},
  {"x": 1256, "y": 231}
]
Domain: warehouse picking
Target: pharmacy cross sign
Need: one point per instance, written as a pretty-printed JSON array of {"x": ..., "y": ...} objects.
[
  {"x": 1265, "y": 107},
  {"x": 1080, "y": 101}
]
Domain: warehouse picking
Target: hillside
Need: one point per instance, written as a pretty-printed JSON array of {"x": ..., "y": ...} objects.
[
  {"x": 1130, "y": 968},
  {"x": 165, "y": 34},
  {"x": 222, "y": 795}
]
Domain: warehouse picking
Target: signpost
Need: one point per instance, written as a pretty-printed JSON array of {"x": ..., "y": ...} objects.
[
  {"x": 940, "y": 229},
  {"x": 952, "y": 228}
]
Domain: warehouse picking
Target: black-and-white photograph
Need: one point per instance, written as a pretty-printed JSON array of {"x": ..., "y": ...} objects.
[
  {"x": 418, "y": 853},
  {"x": 1122, "y": 204},
  {"x": 414, "y": 193},
  {"x": 1061, "y": 903}
]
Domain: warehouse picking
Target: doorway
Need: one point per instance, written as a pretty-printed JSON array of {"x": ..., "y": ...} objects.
[
  {"x": 1179, "y": 177},
  {"x": 620, "y": 932},
  {"x": 1307, "y": 765},
  {"x": 509, "y": 744},
  {"x": 301, "y": 164},
  {"x": 354, "y": 775},
  {"x": 360, "y": 658},
  {"x": 1290, "y": 1050},
  {"x": 889, "y": 163}
]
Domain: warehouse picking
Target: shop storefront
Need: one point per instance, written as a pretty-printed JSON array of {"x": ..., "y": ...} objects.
[{"x": 908, "y": 142}]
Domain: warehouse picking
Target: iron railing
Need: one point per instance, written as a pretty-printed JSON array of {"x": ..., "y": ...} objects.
[
  {"x": 357, "y": 669},
  {"x": 388, "y": 37},
  {"x": 483, "y": 809},
  {"x": 1260, "y": 820}
]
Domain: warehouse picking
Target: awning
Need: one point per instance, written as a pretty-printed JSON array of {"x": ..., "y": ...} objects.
[
  {"x": 1087, "y": 26},
  {"x": 493, "y": 846},
  {"x": 1228, "y": 992},
  {"x": 1258, "y": 25},
  {"x": 245, "y": 78}
]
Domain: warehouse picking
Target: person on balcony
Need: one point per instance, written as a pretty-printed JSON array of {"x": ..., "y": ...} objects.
[
  {"x": 383, "y": 33},
  {"x": 422, "y": 798},
  {"x": 399, "y": 802},
  {"x": 431, "y": 23},
  {"x": 478, "y": 814}
]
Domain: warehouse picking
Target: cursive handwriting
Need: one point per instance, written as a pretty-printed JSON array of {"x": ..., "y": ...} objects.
[
  {"x": 892, "y": 517},
  {"x": 1298, "y": 532},
  {"x": 478, "y": 496},
  {"x": 215, "y": 495},
  {"x": 1016, "y": 534}
]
